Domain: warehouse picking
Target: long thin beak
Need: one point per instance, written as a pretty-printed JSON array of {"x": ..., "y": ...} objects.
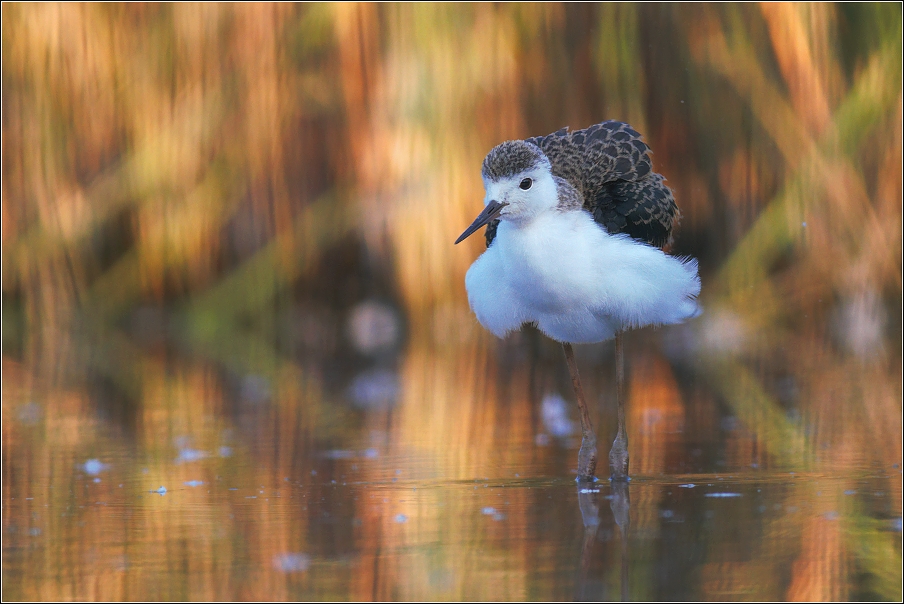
[{"x": 491, "y": 212}]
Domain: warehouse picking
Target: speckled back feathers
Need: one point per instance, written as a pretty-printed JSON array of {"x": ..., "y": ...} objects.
[
  {"x": 610, "y": 167},
  {"x": 591, "y": 157}
]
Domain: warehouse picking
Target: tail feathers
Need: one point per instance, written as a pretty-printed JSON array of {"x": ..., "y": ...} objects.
[
  {"x": 692, "y": 306},
  {"x": 686, "y": 307}
]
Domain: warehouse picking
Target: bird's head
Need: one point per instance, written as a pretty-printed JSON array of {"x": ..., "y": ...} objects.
[{"x": 517, "y": 177}]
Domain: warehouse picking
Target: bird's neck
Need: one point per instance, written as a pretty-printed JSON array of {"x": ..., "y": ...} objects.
[
  {"x": 568, "y": 199},
  {"x": 533, "y": 229}
]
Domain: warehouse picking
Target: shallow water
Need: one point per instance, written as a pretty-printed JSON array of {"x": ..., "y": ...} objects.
[{"x": 453, "y": 481}]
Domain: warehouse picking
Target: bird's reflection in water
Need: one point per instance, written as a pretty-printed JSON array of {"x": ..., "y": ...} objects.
[
  {"x": 590, "y": 515},
  {"x": 620, "y": 504}
]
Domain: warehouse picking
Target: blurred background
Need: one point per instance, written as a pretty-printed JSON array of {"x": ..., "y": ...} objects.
[{"x": 227, "y": 257}]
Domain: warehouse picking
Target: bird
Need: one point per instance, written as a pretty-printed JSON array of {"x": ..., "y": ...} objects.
[{"x": 577, "y": 223}]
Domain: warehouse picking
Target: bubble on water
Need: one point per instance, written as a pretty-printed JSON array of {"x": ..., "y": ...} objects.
[
  {"x": 337, "y": 454},
  {"x": 722, "y": 495},
  {"x": 401, "y": 518},
  {"x": 292, "y": 562},
  {"x": 160, "y": 491},
  {"x": 689, "y": 485},
  {"x": 189, "y": 455},
  {"x": 225, "y": 451},
  {"x": 93, "y": 467},
  {"x": 488, "y": 511},
  {"x": 193, "y": 483}
]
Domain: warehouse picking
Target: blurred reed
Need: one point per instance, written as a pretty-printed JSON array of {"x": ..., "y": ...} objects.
[{"x": 158, "y": 149}]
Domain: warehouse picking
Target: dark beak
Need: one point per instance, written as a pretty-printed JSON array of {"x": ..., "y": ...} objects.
[{"x": 491, "y": 212}]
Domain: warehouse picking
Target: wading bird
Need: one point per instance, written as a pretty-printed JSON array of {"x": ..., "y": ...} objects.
[{"x": 576, "y": 223}]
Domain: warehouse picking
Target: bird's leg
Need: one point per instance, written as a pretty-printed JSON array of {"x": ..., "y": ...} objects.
[
  {"x": 618, "y": 456},
  {"x": 587, "y": 454}
]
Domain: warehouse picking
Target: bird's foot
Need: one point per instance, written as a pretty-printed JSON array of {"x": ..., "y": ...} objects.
[
  {"x": 587, "y": 460},
  {"x": 618, "y": 458}
]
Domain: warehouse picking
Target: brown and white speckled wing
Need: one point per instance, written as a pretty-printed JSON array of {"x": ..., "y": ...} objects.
[
  {"x": 644, "y": 209},
  {"x": 597, "y": 155},
  {"x": 610, "y": 166}
]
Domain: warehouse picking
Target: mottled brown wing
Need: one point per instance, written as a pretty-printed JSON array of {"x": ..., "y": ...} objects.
[
  {"x": 597, "y": 155},
  {"x": 644, "y": 209},
  {"x": 610, "y": 166}
]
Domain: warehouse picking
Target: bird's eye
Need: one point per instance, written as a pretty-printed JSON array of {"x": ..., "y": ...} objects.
[{"x": 526, "y": 183}]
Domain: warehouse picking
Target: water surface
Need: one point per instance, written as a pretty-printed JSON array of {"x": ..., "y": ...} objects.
[{"x": 227, "y": 487}]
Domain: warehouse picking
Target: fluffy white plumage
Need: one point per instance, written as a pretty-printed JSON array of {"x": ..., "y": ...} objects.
[{"x": 552, "y": 265}]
